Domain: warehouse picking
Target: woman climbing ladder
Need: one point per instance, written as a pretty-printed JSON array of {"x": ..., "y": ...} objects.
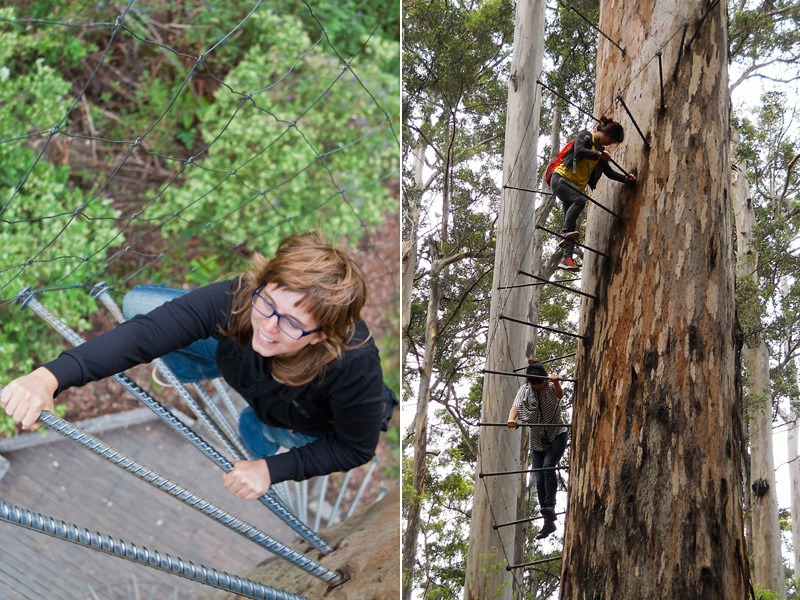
[
  {"x": 286, "y": 334},
  {"x": 539, "y": 401},
  {"x": 584, "y": 162}
]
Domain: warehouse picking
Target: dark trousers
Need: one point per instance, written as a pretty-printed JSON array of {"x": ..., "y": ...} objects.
[
  {"x": 546, "y": 481},
  {"x": 572, "y": 203}
]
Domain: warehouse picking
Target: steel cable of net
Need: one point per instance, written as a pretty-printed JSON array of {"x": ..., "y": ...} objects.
[
  {"x": 190, "y": 499},
  {"x": 139, "y": 554},
  {"x": 117, "y": 26},
  {"x": 270, "y": 500},
  {"x": 136, "y": 143},
  {"x": 189, "y": 236},
  {"x": 347, "y": 63},
  {"x": 205, "y": 228},
  {"x": 139, "y": 143}
]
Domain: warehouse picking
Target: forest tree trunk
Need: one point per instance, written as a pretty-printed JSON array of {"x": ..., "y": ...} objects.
[
  {"x": 794, "y": 488},
  {"x": 495, "y": 498},
  {"x": 765, "y": 537},
  {"x": 655, "y": 482},
  {"x": 419, "y": 464}
]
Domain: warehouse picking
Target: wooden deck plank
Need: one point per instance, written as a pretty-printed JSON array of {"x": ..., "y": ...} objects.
[{"x": 63, "y": 480}]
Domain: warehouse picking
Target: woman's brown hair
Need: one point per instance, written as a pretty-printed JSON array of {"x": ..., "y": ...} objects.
[
  {"x": 334, "y": 291},
  {"x": 612, "y": 129}
]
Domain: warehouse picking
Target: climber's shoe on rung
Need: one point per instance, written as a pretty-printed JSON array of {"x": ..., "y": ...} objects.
[{"x": 568, "y": 264}]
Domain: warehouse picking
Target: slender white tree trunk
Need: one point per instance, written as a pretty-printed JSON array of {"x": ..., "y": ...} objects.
[
  {"x": 418, "y": 474},
  {"x": 794, "y": 486},
  {"x": 410, "y": 233},
  {"x": 495, "y": 498},
  {"x": 765, "y": 536},
  {"x": 411, "y": 207}
]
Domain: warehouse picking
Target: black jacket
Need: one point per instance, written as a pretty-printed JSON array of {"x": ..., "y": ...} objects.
[
  {"x": 343, "y": 407},
  {"x": 583, "y": 148}
]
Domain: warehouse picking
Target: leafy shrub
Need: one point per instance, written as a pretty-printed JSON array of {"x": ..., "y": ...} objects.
[
  {"x": 52, "y": 233},
  {"x": 308, "y": 149}
]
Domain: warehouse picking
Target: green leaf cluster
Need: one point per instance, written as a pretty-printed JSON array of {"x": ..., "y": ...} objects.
[
  {"x": 307, "y": 148},
  {"x": 45, "y": 241},
  {"x": 768, "y": 300}
]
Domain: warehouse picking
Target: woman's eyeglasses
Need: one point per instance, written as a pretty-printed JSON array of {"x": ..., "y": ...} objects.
[{"x": 266, "y": 309}]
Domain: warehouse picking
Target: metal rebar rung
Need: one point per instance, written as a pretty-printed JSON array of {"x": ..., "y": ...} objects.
[
  {"x": 520, "y": 471},
  {"x": 270, "y": 500},
  {"x": 534, "y": 562},
  {"x": 141, "y": 555},
  {"x": 219, "y": 419},
  {"x": 219, "y": 427},
  {"x": 201, "y": 505}
]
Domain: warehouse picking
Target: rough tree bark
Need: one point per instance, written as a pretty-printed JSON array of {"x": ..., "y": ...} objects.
[
  {"x": 495, "y": 499},
  {"x": 654, "y": 507},
  {"x": 765, "y": 527}
]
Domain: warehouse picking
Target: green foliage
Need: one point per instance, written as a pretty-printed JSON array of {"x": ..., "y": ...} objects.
[
  {"x": 8, "y": 427},
  {"x": 447, "y": 509},
  {"x": 765, "y": 32},
  {"x": 764, "y": 594},
  {"x": 751, "y": 306},
  {"x": 361, "y": 18},
  {"x": 769, "y": 300},
  {"x": 290, "y": 145},
  {"x": 40, "y": 223},
  {"x": 325, "y": 171}
]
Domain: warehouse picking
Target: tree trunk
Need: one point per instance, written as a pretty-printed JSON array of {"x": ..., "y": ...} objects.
[
  {"x": 794, "y": 488},
  {"x": 411, "y": 205},
  {"x": 495, "y": 498},
  {"x": 545, "y": 271},
  {"x": 419, "y": 468},
  {"x": 654, "y": 506},
  {"x": 765, "y": 537},
  {"x": 410, "y": 232}
]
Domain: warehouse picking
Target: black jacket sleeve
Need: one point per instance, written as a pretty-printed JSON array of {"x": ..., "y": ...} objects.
[
  {"x": 604, "y": 168},
  {"x": 169, "y": 327},
  {"x": 356, "y": 398},
  {"x": 609, "y": 172},
  {"x": 583, "y": 147}
]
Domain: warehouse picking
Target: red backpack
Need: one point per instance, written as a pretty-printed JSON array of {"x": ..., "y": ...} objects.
[{"x": 557, "y": 161}]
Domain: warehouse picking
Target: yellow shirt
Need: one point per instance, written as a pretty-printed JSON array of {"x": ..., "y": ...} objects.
[{"x": 579, "y": 175}]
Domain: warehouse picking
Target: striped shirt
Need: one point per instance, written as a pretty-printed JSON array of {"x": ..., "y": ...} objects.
[{"x": 542, "y": 407}]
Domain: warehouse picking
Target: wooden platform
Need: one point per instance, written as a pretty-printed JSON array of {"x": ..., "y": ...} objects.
[{"x": 63, "y": 480}]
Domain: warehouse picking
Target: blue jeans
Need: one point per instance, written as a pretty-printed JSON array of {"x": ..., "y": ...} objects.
[
  {"x": 264, "y": 440},
  {"x": 196, "y": 362},
  {"x": 572, "y": 203},
  {"x": 546, "y": 481}
]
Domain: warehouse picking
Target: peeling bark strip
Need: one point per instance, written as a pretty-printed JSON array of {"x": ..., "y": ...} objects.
[{"x": 655, "y": 483}]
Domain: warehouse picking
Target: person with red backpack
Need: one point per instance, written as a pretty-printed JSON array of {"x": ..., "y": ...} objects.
[{"x": 582, "y": 161}]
